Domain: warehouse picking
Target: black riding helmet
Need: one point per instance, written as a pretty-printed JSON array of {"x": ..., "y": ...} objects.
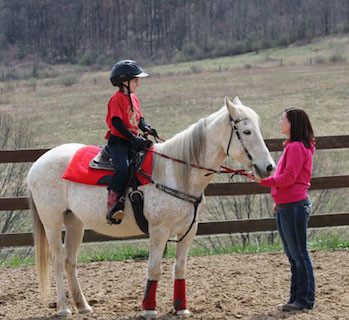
[{"x": 125, "y": 70}]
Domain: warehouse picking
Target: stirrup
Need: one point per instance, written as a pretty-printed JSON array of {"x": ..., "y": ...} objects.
[
  {"x": 118, "y": 215},
  {"x": 116, "y": 212}
]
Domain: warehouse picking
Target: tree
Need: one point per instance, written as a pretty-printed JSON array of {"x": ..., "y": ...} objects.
[
  {"x": 12, "y": 177},
  {"x": 61, "y": 31}
]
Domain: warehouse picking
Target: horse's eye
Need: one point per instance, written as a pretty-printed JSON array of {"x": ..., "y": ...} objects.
[{"x": 247, "y": 132}]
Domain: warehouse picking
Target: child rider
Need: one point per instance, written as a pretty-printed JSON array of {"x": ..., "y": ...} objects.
[{"x": 124, "y": 118}]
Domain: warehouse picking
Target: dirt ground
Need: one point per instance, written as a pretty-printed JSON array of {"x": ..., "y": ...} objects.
[{"x": 232, "y": 286}]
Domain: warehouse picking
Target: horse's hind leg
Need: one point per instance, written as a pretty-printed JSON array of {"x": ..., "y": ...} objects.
[
  {"x": 54, "y": 238},
  {"x": 73, "y": 236}
]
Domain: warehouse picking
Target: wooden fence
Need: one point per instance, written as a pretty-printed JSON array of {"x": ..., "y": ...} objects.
[{"x": 214, "y": 189}]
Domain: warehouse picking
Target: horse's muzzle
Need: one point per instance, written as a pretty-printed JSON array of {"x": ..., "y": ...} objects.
[{"x": 265, "y": 172}]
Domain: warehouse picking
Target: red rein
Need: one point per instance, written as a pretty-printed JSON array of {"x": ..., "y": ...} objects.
[{"x": 211, "y": 171}]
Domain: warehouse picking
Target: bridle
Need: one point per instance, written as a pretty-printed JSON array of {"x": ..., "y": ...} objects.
[
  {"x": 235, "y": 129},
  {"x": 190, "y": 198}
]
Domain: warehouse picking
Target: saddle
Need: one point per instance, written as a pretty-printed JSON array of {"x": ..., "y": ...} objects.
[{"x": 103, "y": 161}]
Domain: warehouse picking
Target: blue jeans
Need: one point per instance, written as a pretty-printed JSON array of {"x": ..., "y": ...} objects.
[
  {"x": 292, "y": 223},
  {"x": 120, "y": 154}
]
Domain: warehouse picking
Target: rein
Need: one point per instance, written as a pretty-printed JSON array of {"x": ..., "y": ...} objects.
[
  {"x": 190, "y": 198},
  {"x": 211, "y": 171},
  {"x": 235, "y": 129}
]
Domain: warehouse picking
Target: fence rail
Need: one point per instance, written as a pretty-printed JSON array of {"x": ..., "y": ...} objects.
[
  {"x": 213, "y": 189},
  {"x": 325, "y": 142}
]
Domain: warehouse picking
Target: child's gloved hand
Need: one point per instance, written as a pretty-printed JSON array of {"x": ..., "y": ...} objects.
[
  {"x": 149, "y": 130},
  {"x": 153, "y": 132},
  {"x": 141, "y": 143}
]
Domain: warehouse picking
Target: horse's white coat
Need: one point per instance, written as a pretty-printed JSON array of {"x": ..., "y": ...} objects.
[{"x": 56, "y": 201}]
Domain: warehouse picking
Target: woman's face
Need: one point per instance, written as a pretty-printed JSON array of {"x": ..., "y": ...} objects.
[{"x": 285, "y": 125}]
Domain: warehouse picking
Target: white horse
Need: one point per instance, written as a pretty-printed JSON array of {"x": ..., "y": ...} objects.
[{"x": 231, "y": 131}]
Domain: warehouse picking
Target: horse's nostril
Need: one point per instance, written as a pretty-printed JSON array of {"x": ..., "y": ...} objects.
[{"x": 270, "y": 168}]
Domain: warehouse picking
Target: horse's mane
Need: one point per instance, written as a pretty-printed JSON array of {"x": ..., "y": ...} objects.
[{"x": 188, "y": 146}]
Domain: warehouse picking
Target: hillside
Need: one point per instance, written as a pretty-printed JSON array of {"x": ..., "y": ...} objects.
[
  {"x": 68, "y": 103},
  {"x": 333, "y": 48}
]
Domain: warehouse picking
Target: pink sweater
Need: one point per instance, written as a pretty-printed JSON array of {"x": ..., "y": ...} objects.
[{"x": 291, "y": 180}]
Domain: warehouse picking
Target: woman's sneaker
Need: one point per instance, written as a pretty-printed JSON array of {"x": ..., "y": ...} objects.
[{"x": 291, "y": 307}]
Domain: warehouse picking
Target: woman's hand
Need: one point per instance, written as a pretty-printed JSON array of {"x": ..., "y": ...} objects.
[{"x": 252, "y": 177}]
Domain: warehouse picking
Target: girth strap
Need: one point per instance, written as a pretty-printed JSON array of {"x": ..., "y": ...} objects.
[
  {"x": 196, "y": 205},
  {"x": 180, "y": 195}
]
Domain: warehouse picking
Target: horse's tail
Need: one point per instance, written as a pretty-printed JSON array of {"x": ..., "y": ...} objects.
[{"x": 42, "y": 250}]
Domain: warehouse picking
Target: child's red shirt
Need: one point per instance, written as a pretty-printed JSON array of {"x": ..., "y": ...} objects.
[{"x": 119, "y": 106}]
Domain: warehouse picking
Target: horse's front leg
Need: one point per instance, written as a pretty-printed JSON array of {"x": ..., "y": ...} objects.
[
  {"x": 158, "y": 239},
  {"x": 179, "y": 298}
]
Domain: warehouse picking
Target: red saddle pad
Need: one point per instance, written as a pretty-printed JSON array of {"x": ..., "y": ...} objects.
[{"x": 78, "y": 169}]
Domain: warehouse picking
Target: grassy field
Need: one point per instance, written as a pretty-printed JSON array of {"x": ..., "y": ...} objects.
[
  {"x": 138, "y": 250},
  {"x": 71, "y": 106},
  {"x": 68, "y": 103}
]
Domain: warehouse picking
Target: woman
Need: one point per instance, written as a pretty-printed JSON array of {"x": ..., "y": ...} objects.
[{"x": 289, "y": 187}]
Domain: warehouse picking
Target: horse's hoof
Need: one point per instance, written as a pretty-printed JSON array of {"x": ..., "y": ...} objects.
[
  {"x": 150, "y": 314},
  {"x": 86, "y": 309},
  {"x": 183, "y": 313},
  {"x": 64, "y": 312}
]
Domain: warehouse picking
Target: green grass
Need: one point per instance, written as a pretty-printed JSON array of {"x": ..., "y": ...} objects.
[
  {"x": 112, "y": 252},
  {"x": 329, "y": 242},
  {"x": 17, "y": 261}
]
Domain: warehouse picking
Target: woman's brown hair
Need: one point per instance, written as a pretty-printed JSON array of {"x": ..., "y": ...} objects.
[{"x": 301, "y": 129}]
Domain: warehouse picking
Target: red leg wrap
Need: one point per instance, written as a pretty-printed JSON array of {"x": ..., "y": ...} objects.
[
  {"x": 149, "y": 301},
  {"x": 179, "y": 299}
]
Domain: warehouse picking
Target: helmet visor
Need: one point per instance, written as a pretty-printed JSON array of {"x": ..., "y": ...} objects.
[{"x": 142, "y": 75}]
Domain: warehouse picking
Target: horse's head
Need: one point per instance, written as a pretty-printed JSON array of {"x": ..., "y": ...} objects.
[{"x": 245, "y": 142}]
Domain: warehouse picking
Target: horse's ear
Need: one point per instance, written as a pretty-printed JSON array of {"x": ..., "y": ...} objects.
[
  {"x": 230, "y": 106},
  {"x": 227, "y": 101},
  {"x": 237, "y": 101}
]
